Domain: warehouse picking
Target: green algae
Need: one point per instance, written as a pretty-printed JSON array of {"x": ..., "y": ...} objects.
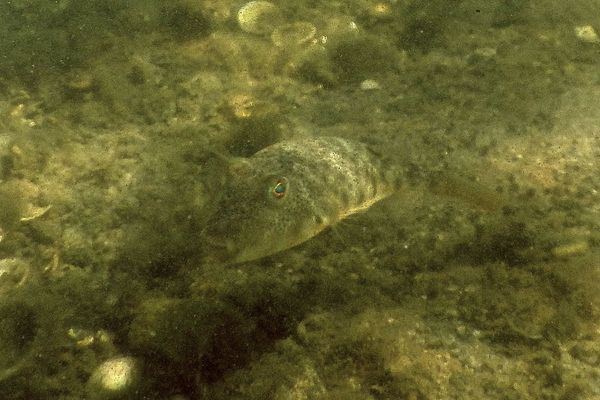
[{"x": 438, "y": 292}]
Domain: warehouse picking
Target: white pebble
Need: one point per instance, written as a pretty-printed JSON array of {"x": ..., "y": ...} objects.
[
  {"x": 370, "y": 84},
  {"x": 486, "y": 52},
  {"x": 587, "y": 33},
  {"x": 259, "y": 17},
  {"x": 114, "y": 379}
]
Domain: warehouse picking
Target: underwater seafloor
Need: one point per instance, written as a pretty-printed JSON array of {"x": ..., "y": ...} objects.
[{"x": 112, "y": 113}]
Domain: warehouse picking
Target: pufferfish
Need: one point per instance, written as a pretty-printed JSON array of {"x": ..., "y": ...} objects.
[{"x": 289, "y": 192}]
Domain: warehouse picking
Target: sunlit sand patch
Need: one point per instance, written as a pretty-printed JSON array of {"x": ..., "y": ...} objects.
[
  {"x": 565, "y": 156},
  {"x": 545, "y": 161}
]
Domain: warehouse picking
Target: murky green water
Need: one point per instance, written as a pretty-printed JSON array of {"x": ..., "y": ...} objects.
[{"x": 449, "y": 249}]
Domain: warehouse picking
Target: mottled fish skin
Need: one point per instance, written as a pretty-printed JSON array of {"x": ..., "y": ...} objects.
[{"x": 290, "y": 191}]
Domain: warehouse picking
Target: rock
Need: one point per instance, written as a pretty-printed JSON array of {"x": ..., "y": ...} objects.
[
  {"x": 116, "y": 378},
  {"x": 587, "y": 34},
  {"x": 259, "y": 17}
]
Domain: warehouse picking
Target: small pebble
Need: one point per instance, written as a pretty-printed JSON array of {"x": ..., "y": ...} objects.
[
  {"x": 370, "y": 84},
  {"x": 116, "y": 378},
  {"x": 587, "y": 33},
  {"x": 485, "y": 52},
  {"x": 259, "y": 17}
]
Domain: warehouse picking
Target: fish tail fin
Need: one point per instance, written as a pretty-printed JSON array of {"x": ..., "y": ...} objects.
[{"x": 471, "y": 190}]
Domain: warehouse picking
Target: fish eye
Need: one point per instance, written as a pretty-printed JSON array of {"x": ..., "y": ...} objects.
[{"x": 280, "y": 188}]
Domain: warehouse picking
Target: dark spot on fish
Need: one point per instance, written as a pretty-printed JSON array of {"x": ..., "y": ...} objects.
[
  {"x": 318, "y": 219},
  {"x": 344, "y": 199}
]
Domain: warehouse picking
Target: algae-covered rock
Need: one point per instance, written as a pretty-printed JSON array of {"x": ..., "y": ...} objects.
[
  {"x": 425, "y": 24},
  {"x": 360, "y": 57},
  {"x": 18, "y": 326},
  {"x": 283, "y": 374},
  {"x": 172, "y": 328},
  {"x": 12, "y": 205},
  {"x": 185, "y": 19}
]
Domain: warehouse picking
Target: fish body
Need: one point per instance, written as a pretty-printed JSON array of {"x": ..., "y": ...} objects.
[{"x": 289, "y": 192}]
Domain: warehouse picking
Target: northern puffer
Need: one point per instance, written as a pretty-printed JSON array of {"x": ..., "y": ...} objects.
[{"x": 289, "y": 192}]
